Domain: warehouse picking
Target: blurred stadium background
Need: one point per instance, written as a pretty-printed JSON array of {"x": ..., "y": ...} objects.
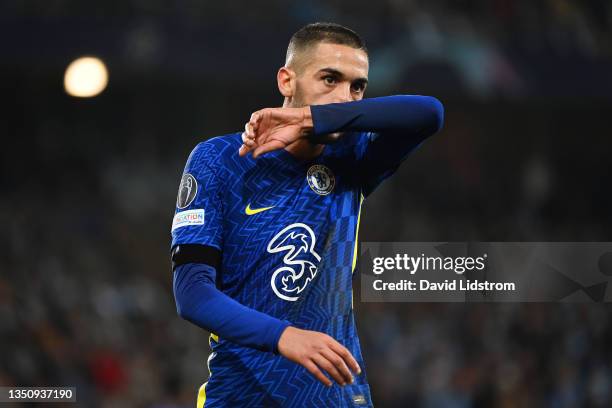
[{"x": 89, "y": 185}]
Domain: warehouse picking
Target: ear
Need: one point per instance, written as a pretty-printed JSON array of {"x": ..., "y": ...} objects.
[{"x": 286, "y": 81}]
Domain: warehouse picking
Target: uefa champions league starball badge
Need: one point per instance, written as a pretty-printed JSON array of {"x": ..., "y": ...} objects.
[
  {"x": 321, "y": 179},
  {"x": 187, "y": 191}
]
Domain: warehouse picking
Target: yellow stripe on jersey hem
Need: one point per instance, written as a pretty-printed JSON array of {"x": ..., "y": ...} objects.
[
  {"x": 202, "y": 391},
  {"x": 202, "y": 396},
  {"x": 361, "y": 198},
  {"x": 357, "y": 234}
]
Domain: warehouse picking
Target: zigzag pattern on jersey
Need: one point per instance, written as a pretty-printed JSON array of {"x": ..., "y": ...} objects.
[
  {"x": 298, "y": 388},
  {"x": 263, "y": 182},
  {"x": 264, "y": 379}
]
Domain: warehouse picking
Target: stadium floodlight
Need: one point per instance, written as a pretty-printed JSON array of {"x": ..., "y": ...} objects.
[{"x": 85, "y": 77}]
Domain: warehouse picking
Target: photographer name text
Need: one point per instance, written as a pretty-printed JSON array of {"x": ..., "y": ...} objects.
[{"x": 464, "y": 285}]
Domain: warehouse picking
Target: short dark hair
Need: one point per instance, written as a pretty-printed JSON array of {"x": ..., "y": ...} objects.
[{"x": 333, "y": 33}]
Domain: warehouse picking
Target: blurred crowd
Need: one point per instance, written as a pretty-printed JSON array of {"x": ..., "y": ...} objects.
[
  {"x": 88, "y": 189},
  {"x": 484, "y": 355}
]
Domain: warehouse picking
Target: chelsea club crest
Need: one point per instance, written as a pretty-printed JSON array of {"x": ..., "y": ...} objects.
[{"x": 321, "y": 179}]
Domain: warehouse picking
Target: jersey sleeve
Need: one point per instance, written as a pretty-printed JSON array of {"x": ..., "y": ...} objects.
[
  {"x": 388, "y": 129},
  {"x": 199, "y": 204},
  {"x": 379, "y": 156},
  {"x": 200, "y": 302}
]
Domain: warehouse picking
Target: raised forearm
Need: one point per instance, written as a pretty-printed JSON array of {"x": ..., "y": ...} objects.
[{"x": 410, "y": 114}]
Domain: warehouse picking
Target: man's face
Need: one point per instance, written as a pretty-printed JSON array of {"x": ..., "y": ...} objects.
[{"x": 330, "y": 73}]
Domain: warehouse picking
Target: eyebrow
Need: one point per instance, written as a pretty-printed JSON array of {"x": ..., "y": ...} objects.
[{"x": 337, "y": 73}]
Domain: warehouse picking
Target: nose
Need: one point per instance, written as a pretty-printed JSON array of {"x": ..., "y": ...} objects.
[{"x": 343, "y": 93}]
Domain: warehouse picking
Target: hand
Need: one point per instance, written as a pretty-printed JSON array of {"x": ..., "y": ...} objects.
[
  {"x": 315, "y": 351},
  {"x": 275, "y": 128}
]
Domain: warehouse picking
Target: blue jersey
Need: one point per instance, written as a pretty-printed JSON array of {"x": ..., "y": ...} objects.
[{"x": 287, "y": 231}]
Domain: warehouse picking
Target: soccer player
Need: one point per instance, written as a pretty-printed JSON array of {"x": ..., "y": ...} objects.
[{"x": 264, "y": 238}]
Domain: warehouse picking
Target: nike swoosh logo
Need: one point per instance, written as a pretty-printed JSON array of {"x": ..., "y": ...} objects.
[{"x": 250, "y": 211}]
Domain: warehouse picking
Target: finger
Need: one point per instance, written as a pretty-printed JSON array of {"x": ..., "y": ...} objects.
[
  {"x": 339, "y": 363},
  {"x": 346, "y": 356},
  {"x": 244, "y": 149},
  {"x": 329, "y": 368},
  {"x": 314, "y": 370},
  {"x": 248, "y": 131},
  {"x": 255, "y": 119},
  {"x": 250, "y": 143},
  {"x": 267, "y": 147}
]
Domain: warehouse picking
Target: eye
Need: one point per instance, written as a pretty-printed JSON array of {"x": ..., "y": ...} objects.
[
  {"x": 359, "y": 87},
  {"x": 329, "y": 80}
]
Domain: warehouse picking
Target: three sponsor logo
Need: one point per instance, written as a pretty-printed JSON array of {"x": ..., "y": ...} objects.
[{"x": 297, "y": 242}]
